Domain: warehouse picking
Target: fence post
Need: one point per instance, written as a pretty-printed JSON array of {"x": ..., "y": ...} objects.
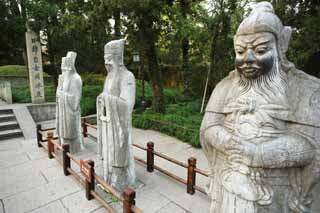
[
  {"x": 66, "y": 159},
  {"x": 90, "y": 183},
  {"x": 39, "y": 135},
  {"x": 84, "y": 128},
  {"x": 150, "y": 156},
  {"x": 129, "y": 196},
  {"x": 191, "y": 181},
  {"x": 50, "y": 144}
]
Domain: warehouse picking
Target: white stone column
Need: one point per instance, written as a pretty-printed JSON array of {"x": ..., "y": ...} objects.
[{"x": 35, "y": 67}]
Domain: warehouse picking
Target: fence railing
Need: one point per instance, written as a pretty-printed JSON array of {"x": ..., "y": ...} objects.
[
  {"x": 191, "y": 165},
  {"x": 87, "y": 169}
]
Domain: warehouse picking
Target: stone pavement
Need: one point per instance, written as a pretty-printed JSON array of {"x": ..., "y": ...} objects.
[
  {"x": 2, "y": 102},
  {"x": 30, "y": 182}
]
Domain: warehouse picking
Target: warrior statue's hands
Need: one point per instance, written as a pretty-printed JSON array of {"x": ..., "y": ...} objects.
[{"x": 241, "y": 151}]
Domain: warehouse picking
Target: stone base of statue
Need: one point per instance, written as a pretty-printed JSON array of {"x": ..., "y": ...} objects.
[
  {"x": 120, "y": 178},
  {"x": 75, "y": 144}
]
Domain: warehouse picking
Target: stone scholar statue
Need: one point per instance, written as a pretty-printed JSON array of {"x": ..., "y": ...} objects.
[
  {"x": 114, "y": 116},
  {"x": 58, "y": 91},
  {"x": 260, "y": 131},
  {"x": 68, "y": 115}
]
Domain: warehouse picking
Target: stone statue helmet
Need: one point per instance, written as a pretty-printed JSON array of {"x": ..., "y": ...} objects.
[
  {"x": 113, "y": 54},
  {"x": 63, "y": 64},
  {"x": 70, "y": 61},
  {"x": 261, "y": 43}
]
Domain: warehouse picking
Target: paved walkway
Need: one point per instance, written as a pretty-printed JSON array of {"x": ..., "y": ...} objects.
[
  {"x": 2, "y": 102},
  {"x": 30, "y": 182}
]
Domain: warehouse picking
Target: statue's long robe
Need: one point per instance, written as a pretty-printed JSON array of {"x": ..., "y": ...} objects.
[
  {"x": 69, "y": 112},
  {"x": 58, "y": 116},
  {"x": 114, "y": 118},
  {"x": 304, "y": 99}
]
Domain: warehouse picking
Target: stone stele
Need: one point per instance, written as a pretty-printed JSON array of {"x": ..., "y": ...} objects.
[
  {"x": 68, "y": 96},
  {"x": 260, "y": 132},
  {"x": 114, "y": 119},
  {"x": 35, "y": 67}
]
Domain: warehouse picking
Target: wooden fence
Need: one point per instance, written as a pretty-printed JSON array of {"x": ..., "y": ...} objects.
[
  {"x": 87, "y": 169},
  {"x": 191, "y": 165}
]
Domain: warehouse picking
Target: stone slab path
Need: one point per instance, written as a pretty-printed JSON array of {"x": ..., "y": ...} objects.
[
  {"x": 30, "y": 182},
  {"x": 2, "y": 102}
]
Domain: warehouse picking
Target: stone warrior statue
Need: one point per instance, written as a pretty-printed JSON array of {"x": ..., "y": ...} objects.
[
  {"x": 261, "y": 129},
  {"x": 114, "y": 116},
  {"x": 68, "y": 113}
]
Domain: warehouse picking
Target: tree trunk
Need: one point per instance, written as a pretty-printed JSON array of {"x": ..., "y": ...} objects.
[
  {"x": 184, "y": 7},
  {"x": 156, "y": 79},
  {"x": 214, "y": 41},
  {"x": 147, "y": 38},
  {"x": 53, "y": 71},
  {"x": 117, "y": 23},
  {"x": 24, "y": 16}
]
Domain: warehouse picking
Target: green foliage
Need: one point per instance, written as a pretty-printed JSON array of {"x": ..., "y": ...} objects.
[
  {"x": 21, "y": 94},
  {"x": 181, "y": 120},
  {"x": 16, "y": 71},
  {"x": 13, "y": 70},
  {"x": 88, "y": 100},
  {"x": 93, "y": 78},
  {"x": 183, "y": 36},
  {"x": 12, "y": 38}
]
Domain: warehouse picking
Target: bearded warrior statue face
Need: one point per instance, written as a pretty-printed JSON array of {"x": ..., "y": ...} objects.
[
  {"x": 255, "y": 54},
  {"x": 261, "y": 43}
]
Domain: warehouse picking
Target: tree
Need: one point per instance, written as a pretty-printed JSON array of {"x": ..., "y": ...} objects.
[
  {"x": 186, "y": 69},
  {"x": 71, "y": 26},
  {"x": 144, "y": 27},
  {"x": 303, "y": 16},
  {"x": 12, "y": 38}
]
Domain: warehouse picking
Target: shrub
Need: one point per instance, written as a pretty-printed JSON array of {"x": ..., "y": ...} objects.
[
  {"x": 88, "y": 100},
  {"x": 181, "y": 120},
  {"x": 92, "y": 78},
  {"x": 16, "y": 70}
]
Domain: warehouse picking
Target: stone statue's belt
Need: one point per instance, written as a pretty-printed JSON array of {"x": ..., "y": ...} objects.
[{"x": 263, "y": 132}]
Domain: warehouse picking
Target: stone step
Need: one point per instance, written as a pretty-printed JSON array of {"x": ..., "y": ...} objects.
[
  {"x": 7, "y": 117},
  {"x": 9, "y": 125},
  {"x": 7, "y": 134},
  {"x": 6, "y": 111}
]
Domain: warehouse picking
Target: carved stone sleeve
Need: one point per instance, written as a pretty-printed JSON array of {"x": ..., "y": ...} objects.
[
  {"x": 75, "y": 93},
  {"x": 128, "y": 91},
  {"x": 290, "y": 150},
  {"x": 212, "y": 131}
]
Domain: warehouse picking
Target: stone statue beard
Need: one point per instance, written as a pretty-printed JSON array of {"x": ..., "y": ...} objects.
[
  {"x": 272, "y": 85},
  {"x": 114, "y": 77},
  {"x": 70, "y": 71}
]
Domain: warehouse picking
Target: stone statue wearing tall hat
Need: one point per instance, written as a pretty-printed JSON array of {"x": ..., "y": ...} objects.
[
  {"x": 68, "y": 113},
  {"x": 114, "y": 117},
  {"x": 261, "y": 128},
  {"x": 58, "y": 91}
]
